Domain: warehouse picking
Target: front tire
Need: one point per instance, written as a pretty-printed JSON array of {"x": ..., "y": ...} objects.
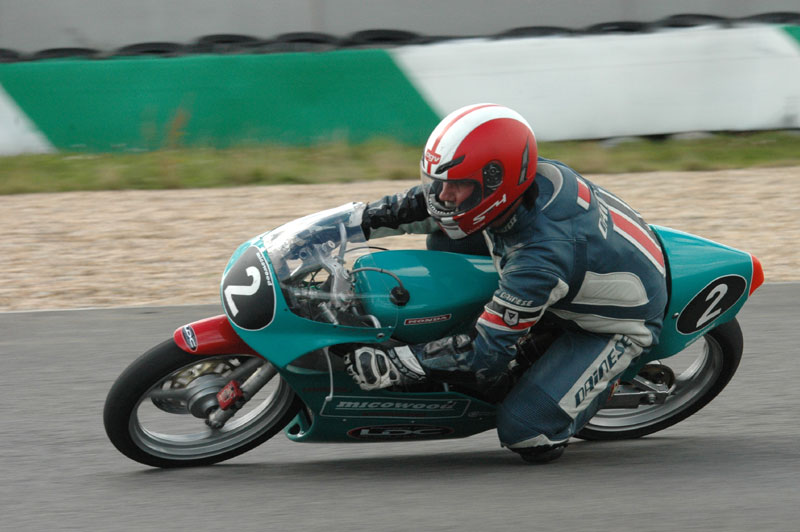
[
  {"x": 151, "y": 431},
  {"x": 713, "y": 360}
]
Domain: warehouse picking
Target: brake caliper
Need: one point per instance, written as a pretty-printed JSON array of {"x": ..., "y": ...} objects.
[{"x": 229, "y": 395}]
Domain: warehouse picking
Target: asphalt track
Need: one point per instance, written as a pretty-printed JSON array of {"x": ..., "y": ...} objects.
[{"x": 733, "y": 466}]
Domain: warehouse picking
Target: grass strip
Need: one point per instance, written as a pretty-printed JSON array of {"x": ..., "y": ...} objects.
[{"x": 380, "y": 159}]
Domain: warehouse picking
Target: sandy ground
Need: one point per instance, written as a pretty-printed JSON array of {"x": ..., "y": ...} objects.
[{"x": 137, "y": 248}]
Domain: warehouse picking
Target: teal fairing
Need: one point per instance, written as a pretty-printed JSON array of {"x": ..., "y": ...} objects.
[{"x": 709, "y": 283}]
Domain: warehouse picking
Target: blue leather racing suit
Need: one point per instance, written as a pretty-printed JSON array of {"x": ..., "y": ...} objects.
[{"x": 578, "y": 255}]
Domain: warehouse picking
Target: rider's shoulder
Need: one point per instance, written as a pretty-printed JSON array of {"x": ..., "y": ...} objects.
[
  {"x": 552, "y": 169},
  {"x": 559, "y": 187}
]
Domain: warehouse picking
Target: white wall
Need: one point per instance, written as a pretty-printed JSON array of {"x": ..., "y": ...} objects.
[
  {"x": 618, "y": 85},
  {"x": 30, "y": 25}
]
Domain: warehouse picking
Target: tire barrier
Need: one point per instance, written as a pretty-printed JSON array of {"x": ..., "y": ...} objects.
[
  {"x": 302, "y": 42},
  {"x": 307, "y": 41},
  {"x": 622, "y": 26},
  {"x": 534, "y": 31},
  {"x": 381, "y": 39},
  {"x": 225, "y": 43},
  {"x": 691, "y": 20},
  {"x": 65, "y": 53},
  {"x": 778, "y": 17},
  {"x": 160, "y": 49},
  {"x": 9, "y": 56}
]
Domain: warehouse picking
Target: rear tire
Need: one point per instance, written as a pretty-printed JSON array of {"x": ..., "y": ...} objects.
[
  {"x": 164, "y": 365},
  {"x": 701, "y": 382}
]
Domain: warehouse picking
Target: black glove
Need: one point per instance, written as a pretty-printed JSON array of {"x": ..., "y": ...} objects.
[
  {"x": 394, "y": 211},
  {"x": 450, "y": 360},
  {"x": 445, "y": 360},
  {"x": 447, "y": 346}
]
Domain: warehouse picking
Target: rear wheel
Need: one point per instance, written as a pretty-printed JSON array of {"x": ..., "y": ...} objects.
[
  {"x": 700, "y": 372},
  {"x": 155, "y": 412}
]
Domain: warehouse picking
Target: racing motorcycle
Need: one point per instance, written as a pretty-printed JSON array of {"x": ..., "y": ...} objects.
[{"x": 298, "y": 298}]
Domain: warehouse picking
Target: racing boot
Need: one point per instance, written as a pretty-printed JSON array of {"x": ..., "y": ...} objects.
[{"x": 542, "y": 453}]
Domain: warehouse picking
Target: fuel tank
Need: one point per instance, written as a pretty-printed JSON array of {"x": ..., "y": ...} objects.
[{"x": 447, "y": 291}]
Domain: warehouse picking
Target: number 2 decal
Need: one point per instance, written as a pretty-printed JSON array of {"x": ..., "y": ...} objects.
[
  {"x": 237, "y": 290},
  {"x": 717, "y": 293},
  {"x": 710, "y": 303},
  {"x": 248, "y": 293}
]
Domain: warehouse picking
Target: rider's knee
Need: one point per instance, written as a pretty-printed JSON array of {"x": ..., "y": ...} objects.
[{"x": 524, "y": 416}]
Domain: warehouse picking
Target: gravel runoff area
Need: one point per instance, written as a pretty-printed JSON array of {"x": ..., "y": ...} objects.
[{"x": 150, "y": 248}]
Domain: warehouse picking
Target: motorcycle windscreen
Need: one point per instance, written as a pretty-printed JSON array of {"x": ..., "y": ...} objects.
[{"x": 314, "y": 258}]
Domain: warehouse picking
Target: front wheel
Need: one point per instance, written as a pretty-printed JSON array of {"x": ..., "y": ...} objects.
[
  {"x": 155, "y": 411},
  {"x": 700, "y": 372}
]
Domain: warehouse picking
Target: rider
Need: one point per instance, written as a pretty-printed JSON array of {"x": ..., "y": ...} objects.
[{"x": 568, "y": 252}]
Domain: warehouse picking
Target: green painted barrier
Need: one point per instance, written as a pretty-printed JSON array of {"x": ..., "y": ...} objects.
[
  {"x": 793, "y": 31},
  {"x": 588, "y": 87},
  {"x": 219, "y": 101}
]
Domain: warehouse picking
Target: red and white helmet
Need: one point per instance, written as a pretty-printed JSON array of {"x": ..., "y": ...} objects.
[{"x": 486, "y": 144}]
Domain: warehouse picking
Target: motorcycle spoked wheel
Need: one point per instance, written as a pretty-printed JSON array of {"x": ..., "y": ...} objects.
[
  {"x": 153, "y": 432},
  {"x": 703, "y": 370}
]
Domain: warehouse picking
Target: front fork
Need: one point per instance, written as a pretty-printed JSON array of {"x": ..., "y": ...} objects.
[
  {"x": 216, "y": 336},
  {"x": 229, "y": 403}
]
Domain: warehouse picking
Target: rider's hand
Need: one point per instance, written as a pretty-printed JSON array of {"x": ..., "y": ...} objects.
[{"x": 374, "y": 368}]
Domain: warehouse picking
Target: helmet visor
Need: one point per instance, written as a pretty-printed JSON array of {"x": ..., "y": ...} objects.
[{"x": 447, "y": 198}]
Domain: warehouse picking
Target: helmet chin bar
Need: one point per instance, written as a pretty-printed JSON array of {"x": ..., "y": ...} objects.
[
  {"x": 452, "y": 229},
  {"x": 504, "y": 216}
]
